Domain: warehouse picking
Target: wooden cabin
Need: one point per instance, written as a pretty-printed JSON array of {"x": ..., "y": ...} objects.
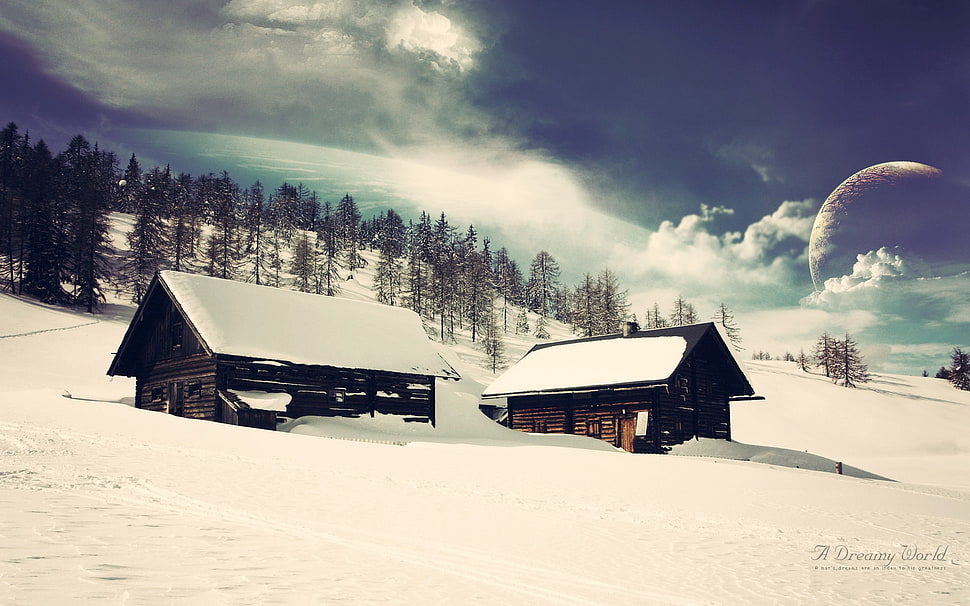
[
  {"x": 643, "y": 391},
  {"x": 243, "y": 354}
]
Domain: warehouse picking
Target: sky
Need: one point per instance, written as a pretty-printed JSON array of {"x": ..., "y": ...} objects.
[{"x": 687, "y": 146}]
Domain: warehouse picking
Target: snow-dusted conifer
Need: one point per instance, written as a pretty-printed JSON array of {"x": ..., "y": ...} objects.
[{"x": 959, "y": 371}]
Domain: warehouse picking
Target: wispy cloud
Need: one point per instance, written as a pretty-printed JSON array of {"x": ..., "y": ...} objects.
[{"x": 353, "y": 74}]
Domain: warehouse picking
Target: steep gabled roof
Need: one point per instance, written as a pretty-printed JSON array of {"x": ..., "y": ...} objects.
[
  {"x": 646, "y": 357},
  {"x": 264, "y": 323}
]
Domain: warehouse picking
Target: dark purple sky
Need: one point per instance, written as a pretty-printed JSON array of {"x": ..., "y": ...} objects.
[
  {"x": 661, "y": 106},
  {"x": 712, "y": 129}
]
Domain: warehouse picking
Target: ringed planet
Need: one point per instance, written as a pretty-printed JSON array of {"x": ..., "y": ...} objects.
[{"x": 908, "y": 208}]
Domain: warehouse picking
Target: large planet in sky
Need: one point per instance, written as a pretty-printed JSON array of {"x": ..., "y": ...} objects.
[{"x": 909, "y": 208}]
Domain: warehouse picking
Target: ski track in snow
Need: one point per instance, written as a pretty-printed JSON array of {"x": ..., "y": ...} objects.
[{"x": 46, "y": 330}]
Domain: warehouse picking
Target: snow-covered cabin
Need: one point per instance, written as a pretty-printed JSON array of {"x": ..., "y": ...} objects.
[
  {"x": 243, "y": 354},
  {"x": 642, "y": 391}
]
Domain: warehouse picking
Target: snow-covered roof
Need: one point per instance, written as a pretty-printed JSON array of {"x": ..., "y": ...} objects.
[
  {"x": 647, "y": 357},
  {"x": 266, "y": 323}
]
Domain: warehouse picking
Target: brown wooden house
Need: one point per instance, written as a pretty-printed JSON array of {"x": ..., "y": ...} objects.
[
  {"x": 244, "y": 354},
  {"x": 643, "y": 391}
]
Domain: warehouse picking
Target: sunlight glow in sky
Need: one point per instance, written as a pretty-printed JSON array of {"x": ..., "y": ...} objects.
[{"x": 687, "y": 146}]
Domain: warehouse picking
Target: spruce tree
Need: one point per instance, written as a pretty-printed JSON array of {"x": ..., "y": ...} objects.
[
  {"x": 303, "y": 263},
  {"x": 13, "y": 163},
  {"x": 146, "y": 250},
  {"x": 508, "y": 282},
  {"x": 543, "y": 282},
  {"x": 328, "y": 242},
  {"x": 390, "y": 241},
  {"x": 348, "y": 225},
  {"x": 585, "y": 321},
  {"x": 959, "y": 371},
  {"x": 492, "y": 343},
  {"x": 541, "y": 331},
  {"x": 254, "y": 203},
  {"x": 613, "y": 309},
  {"x": 45, "y": 255},
  {"x": 223, "y": 252}
]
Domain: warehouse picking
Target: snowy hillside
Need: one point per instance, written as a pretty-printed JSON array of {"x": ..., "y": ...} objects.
[{"x": 103, "y": 503}]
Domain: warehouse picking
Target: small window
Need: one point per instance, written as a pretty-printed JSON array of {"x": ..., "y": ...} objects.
[
  {"x": 176, "y": 336},
  {"x": 193, "y": 391},
  {"x": 593, "y": 428},
  {"x": 338, "y": 394},
  {"x": 158, "y": 394},
  {"x": 643, "y": 421}
]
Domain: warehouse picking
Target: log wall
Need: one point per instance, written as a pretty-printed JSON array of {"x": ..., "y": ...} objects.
[
  {"x": 326, "y": 391},
  {"x": 184, "y": 386}
]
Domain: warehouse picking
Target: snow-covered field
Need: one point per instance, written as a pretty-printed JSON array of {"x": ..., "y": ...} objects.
[{"x": 103, "y": 503}]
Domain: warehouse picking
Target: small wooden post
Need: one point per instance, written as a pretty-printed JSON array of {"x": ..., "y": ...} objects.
[{"x": 838, "y": 467}]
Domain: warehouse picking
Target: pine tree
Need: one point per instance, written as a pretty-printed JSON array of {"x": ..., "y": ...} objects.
[
  {"x": 255, "y": 224},
  {"x": 348, "y": 226},
  {"x": 849, "y": 368},
  {"x": 132, "y": 186},
  {"x": 390, "y": 241},
  {"x": 13, "y": 162},
  {"x": 541, "y": 331},
  {"x": 655, "y": 319},
  {"x": 825, "y": 354},
  {"x": 146, "y": 250},
  {"x": 183, "y": 230},
  {"x": 522, "y": 322},
  {"x": 89, "y": 179},
  {"x": 479, "y": 290},
  {"x": 45, "y": 252},
  {"x": 328, "y": 241},
  {"x": 492, "y": 343},
  {"x": 420, "y": 255},
  {"x": 223, "y": 252},
  {"x": 585, "y": 320},
  {"x": 444, "y": 273},
  {"x": 543, "y": 281},
  {"x": 508, "y": 281},
  {"x": 725, "y": 319},
  {"x": 303, "y": 263},
  {"x": 613, "y": 308},
  {"x": 683, "y": 313},
  {"x": 959, "y": 371},
  {"x": 802, "y": 361}
]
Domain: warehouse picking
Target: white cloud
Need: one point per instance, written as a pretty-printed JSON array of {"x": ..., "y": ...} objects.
[
  {"x": 416, "y": 31},
  {"x": 294, "y": 69},
  {"x": 286, "y": 12},
  {"x": 762, "y": 266}
]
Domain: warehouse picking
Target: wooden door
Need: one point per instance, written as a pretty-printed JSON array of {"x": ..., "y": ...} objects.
[
  {"x": 176, "y": 399},
  {"x": 628, "y": 429}
]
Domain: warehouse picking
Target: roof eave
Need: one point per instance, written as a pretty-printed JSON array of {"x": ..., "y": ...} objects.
[{"x": 581, "y": 389}]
